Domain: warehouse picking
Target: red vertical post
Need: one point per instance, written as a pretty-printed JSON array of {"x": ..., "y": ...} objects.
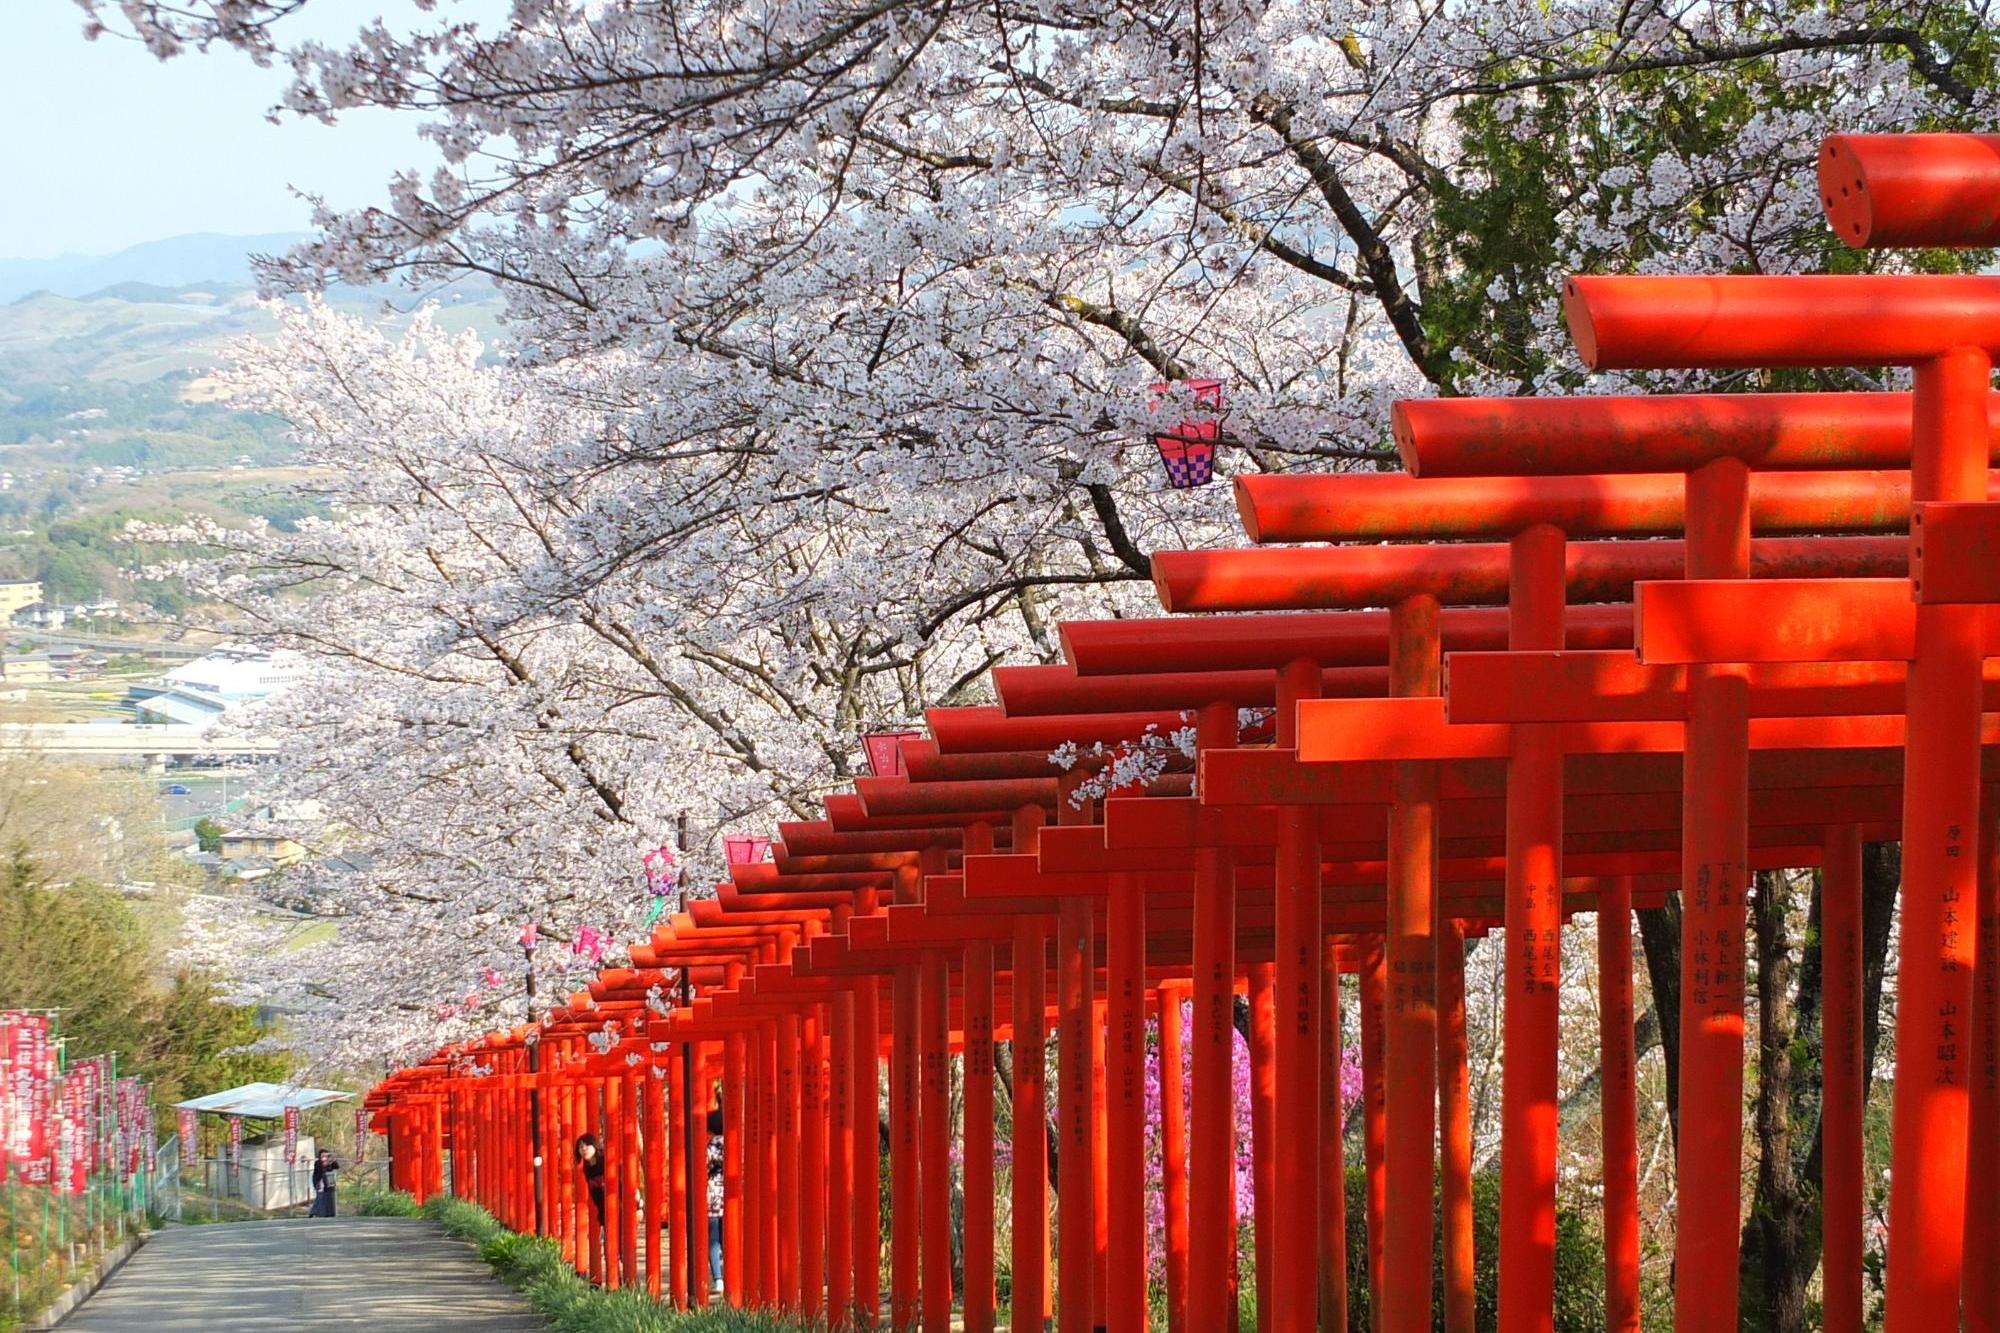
[
  {"x": 1374, "y": 1113},
  {"x": 1029, "y": 1012},
  {"x": 1211, "y": 1120},
  {"x": 840, "y": 1161},
  {"x": 812, "y": 1168},
  {"x": 1173, "y": 1150},
  {"x": 755, "y": 1193},
  {"x": 673, "y": 1127},
  {"x": 1410, "y": 1053},
  {"x": 904, "y": 1201},
  {"x": 1295, "y": 1235},
  {"x": 977, "y": 984},
  {"x": 1941, "y": 795},
  {"x": 1125, "y": 1101},
  {"x": 1454, "y": 1130},
  {"x": 734, "y": 1095},
  {"x": 628, "y": 1198},
  {"x": 1332, "y": 1154},
  {"x": 1842, "y": 1097},
  {"x": 1980, "y": 1299},
  {"x": 1076, "y": 1223},
  {"x": 1618, "y": 1105},
  {"x": 772, "y": 1227},
  {"x": 789, "y": 1133},
  {"x": 1263, "y": 1127},
  {"x": 1100, "y": 1155},
  {"x": 1715, "y": 837},
  {"x": 615, "y": 1170},
  {"x": 867, "y": 1151},
  {"x": 934, "y": 1036},
  {"x": 1533, "y": 986},
  {"x": 656, "y": 1175}
]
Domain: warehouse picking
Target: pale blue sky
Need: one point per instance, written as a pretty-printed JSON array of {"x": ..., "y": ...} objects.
[{"x": 102, "y": 146}]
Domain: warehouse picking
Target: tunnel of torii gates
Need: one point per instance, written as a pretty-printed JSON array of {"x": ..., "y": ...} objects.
[{"x": 1586, "y": 652}]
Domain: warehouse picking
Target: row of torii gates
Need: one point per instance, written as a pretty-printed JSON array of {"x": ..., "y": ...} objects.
[{"x": 1631, "y": 646}]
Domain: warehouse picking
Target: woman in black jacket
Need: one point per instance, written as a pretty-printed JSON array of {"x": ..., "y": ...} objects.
[
  {"x": 590, "y": 1160},
  {"x": 325, "y": 1172}
]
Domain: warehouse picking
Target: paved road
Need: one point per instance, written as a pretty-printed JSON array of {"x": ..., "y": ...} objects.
[{"x": 304, "y": 1273}]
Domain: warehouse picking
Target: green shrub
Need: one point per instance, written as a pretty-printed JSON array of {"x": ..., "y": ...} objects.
[
  {"x": 1579, "y": 1261},
  {"x": 534, "y": 1265},
  {"x": 369, "y": 1201}
]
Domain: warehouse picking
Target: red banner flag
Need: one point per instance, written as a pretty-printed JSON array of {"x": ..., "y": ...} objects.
[
  {"x": 291, "y": 1134},
  {"x": 235, "y": 1140},
  {"x": 30, "y": 1094},
  {"x": 361, "y": 1133},
  {"x": 190, "y": 1127}
]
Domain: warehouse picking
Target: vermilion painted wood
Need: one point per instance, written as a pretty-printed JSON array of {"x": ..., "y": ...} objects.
[
  {"x": 1616, "y": 686},
  {"x": 934, "y": 1174},
  {"x": 1534, "y": 865},
  {"x": 1263, "y": 1115},
  {"x": 1454, "y": 1131},
  {"x": 1297, "y": 947},
  {"x": 979, "y": 1300},
  {"x": 1753, "y": 321},
  {"x": 1473, "y": 574},
  {"x": 1912, "y": 189},
  {"x": 1505, "y": 437},
  {"x": 1211, "y": 1124},
  {"x": 1377, "y": 506},
  {"x": 1172, "y": 1019},
  {"x": 1040, "y": 690},
  {"x": 1981, "y": 1289},
  {"x": 1955, "y": 553},
  {"x": 1125, "y": 1305},
  {"x": 1266, "y": 642},
  {"x": 1027, "y": 1013},
  {"x": 1410, "y": 1049}
]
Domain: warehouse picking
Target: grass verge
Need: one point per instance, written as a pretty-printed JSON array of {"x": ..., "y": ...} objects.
[{"x": 534, "y": 1266}]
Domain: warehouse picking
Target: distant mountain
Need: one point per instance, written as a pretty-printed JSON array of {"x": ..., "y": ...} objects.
[{"x": 176, "y": 262}]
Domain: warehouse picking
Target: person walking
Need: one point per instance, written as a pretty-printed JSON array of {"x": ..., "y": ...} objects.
[
  {"x": 325, "y": 1175},
  {"x": 715, "y": 1193},
  {"x": 590, "y": 1160}
]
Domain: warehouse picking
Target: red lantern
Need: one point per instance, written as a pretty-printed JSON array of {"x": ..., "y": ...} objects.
[
  {"x": 1188, "y": 449},
  {"x": 744, "y": 849},
  {"x": 884, "y": 750}
]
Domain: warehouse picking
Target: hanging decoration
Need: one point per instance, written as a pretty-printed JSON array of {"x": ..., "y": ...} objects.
[
  {"x": 1188, "y": 449},
  {"x": 662, "y": 873}
]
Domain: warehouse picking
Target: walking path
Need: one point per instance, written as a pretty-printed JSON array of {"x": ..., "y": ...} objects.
[{"x": 305, "y": 1273}]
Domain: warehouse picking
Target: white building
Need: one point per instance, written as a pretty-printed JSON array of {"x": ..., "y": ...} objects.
[
  {"x": 237, "y": 672},
  {"x": 198, "y": 692}
]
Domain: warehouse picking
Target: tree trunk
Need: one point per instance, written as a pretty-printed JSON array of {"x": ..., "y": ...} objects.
[
  {"x": 1660, "y": 939},
  {"x": 1779, "y": 1243}
]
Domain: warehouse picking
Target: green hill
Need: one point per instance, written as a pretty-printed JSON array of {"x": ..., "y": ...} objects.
[{"x": 109, "y": 412}]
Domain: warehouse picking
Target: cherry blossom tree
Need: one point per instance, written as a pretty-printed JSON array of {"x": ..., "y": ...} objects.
[{"x": 836, "y": 326}]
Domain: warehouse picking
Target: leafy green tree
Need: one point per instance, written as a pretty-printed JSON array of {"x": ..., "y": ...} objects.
[
  {"x": 208, "y": 834},
  {"x": 80, "y": 949}
]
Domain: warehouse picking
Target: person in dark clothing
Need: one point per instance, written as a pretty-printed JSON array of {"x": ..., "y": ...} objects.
[
  {"x": 325, "y": 1172},
  {"x": 715, "y": 1192},
  {"x": 590, "y": 1160}
]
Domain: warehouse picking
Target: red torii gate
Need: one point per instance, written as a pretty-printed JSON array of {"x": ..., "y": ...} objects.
[{"x": 1789, "y": 682}]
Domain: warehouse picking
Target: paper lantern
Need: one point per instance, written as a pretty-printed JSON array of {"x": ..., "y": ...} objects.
[{"x": 1188, "y": 450}]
